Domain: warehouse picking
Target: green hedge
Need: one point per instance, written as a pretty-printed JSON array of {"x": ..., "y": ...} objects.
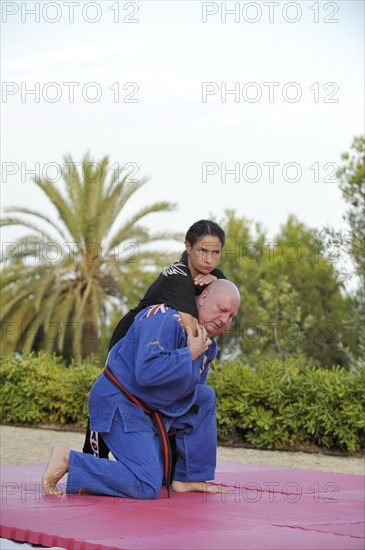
[
  {"x": 41, "y": 389},
  {"x": 275, "y": 404},
  {"x": 279, "y": 403}
]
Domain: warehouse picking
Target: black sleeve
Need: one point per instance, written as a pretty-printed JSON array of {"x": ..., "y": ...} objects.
[
  {"x": 218, "y": 273},
  {"x": 122, "y": 327},
  {"x": 174, "y": 287}
]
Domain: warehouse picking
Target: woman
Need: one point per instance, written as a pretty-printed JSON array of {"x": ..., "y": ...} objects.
[{"x": 177, "y": 287}]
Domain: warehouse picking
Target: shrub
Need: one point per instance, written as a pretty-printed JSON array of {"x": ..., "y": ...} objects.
[
  {"x": 281, "y": 403},
  {"x": 41, "y": 388},
  {"x": 275, "y": 404}
]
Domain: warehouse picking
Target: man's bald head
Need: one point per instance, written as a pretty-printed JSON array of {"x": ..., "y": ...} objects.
[{"x": 217, "y": 305}]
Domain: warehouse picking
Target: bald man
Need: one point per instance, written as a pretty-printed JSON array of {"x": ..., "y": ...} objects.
[{"x": 154, "y": 382}]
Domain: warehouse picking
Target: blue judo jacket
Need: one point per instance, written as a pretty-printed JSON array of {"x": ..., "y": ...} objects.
[{"x": 153, "y": 363}]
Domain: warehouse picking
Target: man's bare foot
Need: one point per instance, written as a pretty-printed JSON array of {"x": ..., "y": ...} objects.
[
  {"x": 56, "y": 468},
  {"x": 197, "y": 486}
]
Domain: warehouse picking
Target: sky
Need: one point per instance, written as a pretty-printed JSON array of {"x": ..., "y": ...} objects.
[{"x": 222, "y": 105}]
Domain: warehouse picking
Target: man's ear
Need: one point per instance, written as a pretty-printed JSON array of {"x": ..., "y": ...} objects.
[{"x": 202, "y": 297}]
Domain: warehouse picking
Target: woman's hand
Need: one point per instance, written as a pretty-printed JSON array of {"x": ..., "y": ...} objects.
[
  {"x": 198, "y": 344},
  {"x": 202, "y": 279}
]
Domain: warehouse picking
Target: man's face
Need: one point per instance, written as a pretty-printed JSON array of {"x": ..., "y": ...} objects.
[{"x": 216, "y": 311}]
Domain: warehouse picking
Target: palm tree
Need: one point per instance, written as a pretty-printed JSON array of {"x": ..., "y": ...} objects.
[{"x": 56, "y": 292}]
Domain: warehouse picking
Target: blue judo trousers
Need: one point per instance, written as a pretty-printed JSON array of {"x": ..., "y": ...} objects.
[{"x": 154, "y": 364}]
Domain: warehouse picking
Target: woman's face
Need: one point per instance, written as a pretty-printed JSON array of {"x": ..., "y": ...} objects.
[{"x": 204, "y": 254}]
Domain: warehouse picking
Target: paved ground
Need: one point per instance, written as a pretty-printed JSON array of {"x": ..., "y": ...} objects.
[{"x": 33, "y": 445}]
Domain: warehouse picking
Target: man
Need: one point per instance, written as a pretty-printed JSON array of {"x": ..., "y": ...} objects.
[{"x": 155, "y": 367}]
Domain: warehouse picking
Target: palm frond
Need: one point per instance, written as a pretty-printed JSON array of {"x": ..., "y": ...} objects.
[
  {"x": 65, "y": 209},
  {"x": 18, "y": 221},
  {"x": 36, "y": 214},
  {"x": 76, "y": 289},
  {"x": 129, "y": 224},
  {"x": 114, "y": 202}
]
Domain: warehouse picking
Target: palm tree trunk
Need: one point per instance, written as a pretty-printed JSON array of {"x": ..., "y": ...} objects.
[{"x": 90, "y": 333}]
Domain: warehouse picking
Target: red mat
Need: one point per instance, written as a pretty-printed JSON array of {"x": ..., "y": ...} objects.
[{"x": 265, "y": 508}]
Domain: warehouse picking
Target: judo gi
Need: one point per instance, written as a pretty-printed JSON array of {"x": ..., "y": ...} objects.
[
  {"x": 174, "y": 287},
  {"x": 154, "y": 364}
]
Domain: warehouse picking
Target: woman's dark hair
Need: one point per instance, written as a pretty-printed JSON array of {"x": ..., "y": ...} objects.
[{"x": 200, "y": 229}]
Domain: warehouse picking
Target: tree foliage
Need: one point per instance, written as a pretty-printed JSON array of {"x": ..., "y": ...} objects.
[
  {"x": 352, "y": 184},
  {"x": 350, "y": 241},
  {"x": 292, "y": 299},
  {"x": 62, "y": 277}
]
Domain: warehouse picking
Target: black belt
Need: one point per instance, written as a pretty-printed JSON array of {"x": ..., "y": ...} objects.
[{"x": 156, "y": 417}]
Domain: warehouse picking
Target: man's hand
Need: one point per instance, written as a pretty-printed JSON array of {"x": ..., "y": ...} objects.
[
  {"x": 198, "y": 344},
  {"x": 201, "y": 279}
]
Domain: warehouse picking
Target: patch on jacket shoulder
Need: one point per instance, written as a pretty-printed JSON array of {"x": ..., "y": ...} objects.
[{"x": 153, "y": 310}]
